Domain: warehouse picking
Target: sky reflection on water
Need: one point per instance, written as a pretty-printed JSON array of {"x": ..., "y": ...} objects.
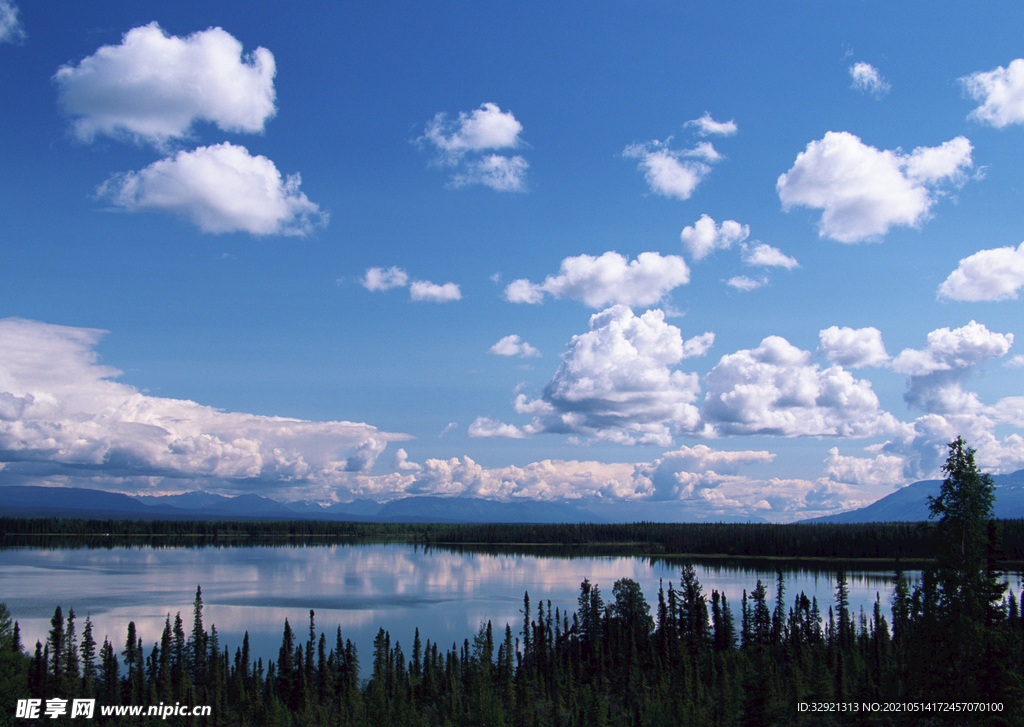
[{"x": 361, "y": 588}]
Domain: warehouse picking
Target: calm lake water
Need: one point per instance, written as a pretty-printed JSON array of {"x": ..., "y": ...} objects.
[{"x": 360, "y": 588}]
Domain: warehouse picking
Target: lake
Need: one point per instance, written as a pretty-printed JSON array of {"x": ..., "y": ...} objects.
[{"x": 447, "y": 594}]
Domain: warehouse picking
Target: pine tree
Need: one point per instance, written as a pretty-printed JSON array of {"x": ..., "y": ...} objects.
[
  {"x": 57, "y": 651},
  {"x": 88, "y": 654},
  {"x": 968, "y": 583},
  {"x": 197, "y": 641},
  {"x": 71, "y": 646}
]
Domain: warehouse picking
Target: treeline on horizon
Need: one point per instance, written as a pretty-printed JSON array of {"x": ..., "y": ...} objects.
[{"x": 849, "y": 541}]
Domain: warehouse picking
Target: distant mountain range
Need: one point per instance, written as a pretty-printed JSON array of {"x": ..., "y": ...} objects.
[
  {"x": 907, "y": 504},
  {"x": 28, "y": 501},
  {"x": 910, "y": 503}
]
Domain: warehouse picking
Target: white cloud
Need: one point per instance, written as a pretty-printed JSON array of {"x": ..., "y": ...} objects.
[
  {"x": 853, "y": 348},
  {"x": 672, "y": 173},
  {"x": 523, "y": 291},
  {"x": 615, "y": 382},
  {"x": 365, "y": 454},
  {"x": 377, "y": 279},
  {"x": 483, "y": 427},
  {"x": 381, "y": 279},
  {"x": 504, "y": 174},
  {"x": 424, "y": 290},
  {"x": 10, "y": 28},
  {"x": 683, "y": 474},
  {"x": 706, "y": 126},
  {"x": 154, "y": 87},
  {"x": 463, "y": 144},
  {"x": 545, "y": 480},
  {"x": 986, "y": 275},
  {"x": 219, "y": 188},
  {"x": 609, "y": 279},
  {"x": 949, "y": 350},
  {"x": 1015, "y": 362},
  {"x": 698, "y": 345},
  {"x": 1001, "y": 92},
  {"x": 949, "y": 358},
  {"x": 745, "y": 284},
  {"x": 513, "y": 346},
  {"x": 64, "y": 416},
  {"x": 922, "y": 444},
  {"x": 703, "y": 238},
  {"x": 864, "y": 191},
  {"x": 882, "y": 469},
  {"x": 692, "y": 483},
  {"x": 488, "y": 127},
  {"x": 401, "y": 462},
  {"x": 763, "y": 255},
  {"x": 776, "y": 390},
  {"x": 867, "y": 78}
]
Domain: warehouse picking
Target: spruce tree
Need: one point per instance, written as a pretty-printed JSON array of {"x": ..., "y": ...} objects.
[{"x": 968, "y": 585}]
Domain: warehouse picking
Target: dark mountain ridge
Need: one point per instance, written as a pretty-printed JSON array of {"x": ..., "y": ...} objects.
[{"x": 910, "y": 503}]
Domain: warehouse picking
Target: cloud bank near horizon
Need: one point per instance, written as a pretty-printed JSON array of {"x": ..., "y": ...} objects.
[{"x": 65, "y": 420}]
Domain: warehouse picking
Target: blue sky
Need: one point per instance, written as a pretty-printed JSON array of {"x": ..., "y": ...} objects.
[{"x": 710, "y": 260}]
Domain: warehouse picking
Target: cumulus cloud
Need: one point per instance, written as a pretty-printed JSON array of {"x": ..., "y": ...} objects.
[
  {"x": 745, "y": 284},
  {"x": 615, "y": 382},
  {"x": 852, "y": 347},
  {"x": 65, "y": 416},
  {"x": 707, "y": 126},
  {"x": 10, "y": 27},
  {"x": 882, "y": 469},
  {"x": 219, "y": 189},
  {"x": 922, "y": 444},
  {"x": 462, "y": 143},
  {"x": 866, "y": 78},
  {"x": 154, "y": 87},
  {"x": 672, "y": 173},
  {"x": 950, "y": 357},
  {"x": 365, "y": 454},
  {"x": 951, "y": 349},
  {"x": 776, "y": 390},
  {"x": 401, "y": 462},
  {"x": 683, "y": 474},
  {"x": 381, "y": 279},
  {"x": 766, "y": 256},
  {"x": 986, "y": 275},
  {"x": 692, "y": 484},
  {"x": 864, "y": 191},
  {"x": 703, "y": 237},
  {"x": 504, "y": 174},
  {"x": 1016, "y": 362},
  {"x": 487, "y": 127},
  {"x": 1001, "y": 92},
  {"x": 486, "y": 428},
  {"x": 545, "y": 480},
  {"x": 698, "y": 345},
  {"x": 424, "y": 290},
  {"x": 378, "y": 279},
  {"x": 608, "y": 279},
  {"x": 513, "y": 346}
]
